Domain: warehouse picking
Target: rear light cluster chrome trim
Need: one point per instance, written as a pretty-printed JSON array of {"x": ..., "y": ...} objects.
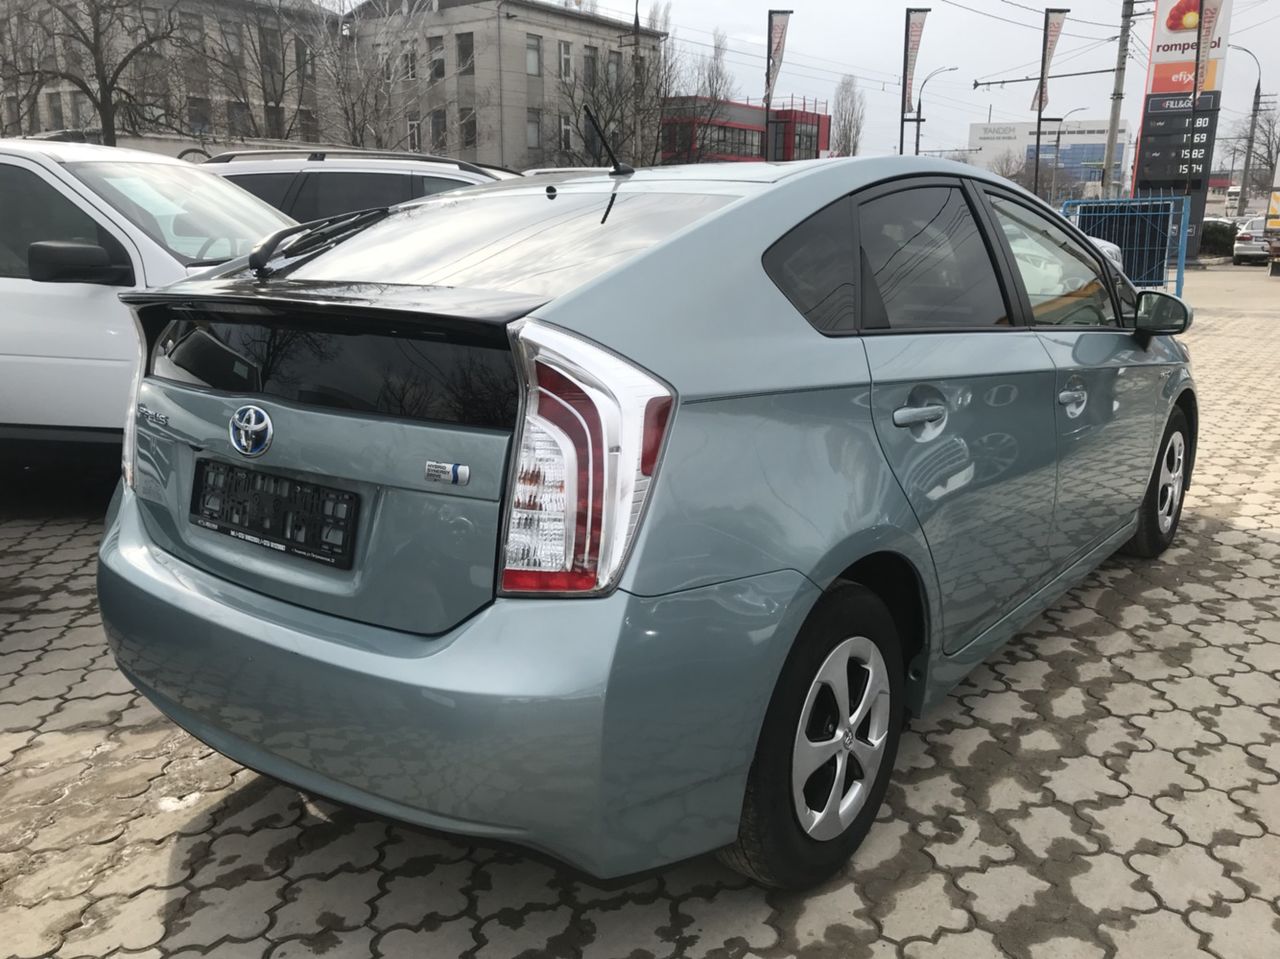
[{"x": 588, "y": 443}]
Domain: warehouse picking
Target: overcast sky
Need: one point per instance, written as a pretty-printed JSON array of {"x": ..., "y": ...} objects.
[{"x": 830, "y": 37}]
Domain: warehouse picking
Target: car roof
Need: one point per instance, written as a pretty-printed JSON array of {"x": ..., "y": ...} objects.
[{"x": 60, "y": 151}]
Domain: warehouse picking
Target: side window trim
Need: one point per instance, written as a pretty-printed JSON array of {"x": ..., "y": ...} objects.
[
  {"x": 990, "y": 190},
  {"x": 902, "y": 185},
  {"x": 74, "y": 194}
]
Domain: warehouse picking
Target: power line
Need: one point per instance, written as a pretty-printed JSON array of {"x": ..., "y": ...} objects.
[{"x": 1016, "y": 23}]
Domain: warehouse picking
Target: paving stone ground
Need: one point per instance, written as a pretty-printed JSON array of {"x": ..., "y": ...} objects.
[{"x": 1106, "y": 785}]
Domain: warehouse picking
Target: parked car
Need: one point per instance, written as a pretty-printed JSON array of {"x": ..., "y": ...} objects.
[
  {"x": 627, "y": 517},
  {"x": 1251, "y": 245},
  {"x": 79, "y": 224},
  {"x": 314, "y": 184}
]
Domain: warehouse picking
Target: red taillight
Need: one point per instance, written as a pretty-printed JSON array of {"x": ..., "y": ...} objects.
[
  {"x": 656, "y": 413},
  {"x": 1244, "y": 237},
  {"x": 589, "y": 441}
]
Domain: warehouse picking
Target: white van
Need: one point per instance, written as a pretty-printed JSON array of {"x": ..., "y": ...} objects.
[
  {"x": 79, "y": 224},
  {"x": 1233, "y": 197}
]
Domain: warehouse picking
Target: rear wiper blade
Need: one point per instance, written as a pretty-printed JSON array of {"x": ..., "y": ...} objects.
[{"x": 314, "y": 233}]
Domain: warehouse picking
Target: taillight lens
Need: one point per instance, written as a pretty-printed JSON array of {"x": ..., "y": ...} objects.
[
  {"x": 1244, "y": 237},
  {"x": 129, "y": 443},
  {"x": 588, "y": 448}
]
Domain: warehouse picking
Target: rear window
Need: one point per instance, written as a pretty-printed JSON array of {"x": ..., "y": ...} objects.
[
  {"x": 328, "y": 194},
  {"x": 519, "y": 242},
  {"x": 408, "y": 377}
]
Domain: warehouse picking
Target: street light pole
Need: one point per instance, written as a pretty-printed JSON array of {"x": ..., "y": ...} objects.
[
  {"x": 1242, "y": 201},
  {"x": 1057, "y": 151},
  {"x": 920, "y": 101}
]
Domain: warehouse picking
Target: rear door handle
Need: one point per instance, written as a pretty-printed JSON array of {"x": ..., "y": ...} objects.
[
  {"x": 915, "y": 415},
  {"x": 1072, "y": 397}
]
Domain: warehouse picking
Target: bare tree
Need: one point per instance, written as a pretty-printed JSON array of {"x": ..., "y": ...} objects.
[
  {"x": 616, "y": 90},
  {"x": 1266, "y": 149},
  {"x": 22, "y": 48},
  {"x": 261, "y": 58},
  {"x": 849, "y": 114},
  {"x": 1011, "y": 165},
  {"x": 696, "y": 115},
  {"x": 112, "y": 52}
]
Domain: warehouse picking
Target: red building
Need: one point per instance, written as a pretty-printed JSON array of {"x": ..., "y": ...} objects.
[{"x": 701, "y": 130}]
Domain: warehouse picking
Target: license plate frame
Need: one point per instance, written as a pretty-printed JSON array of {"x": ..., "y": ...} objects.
[{"x": 303, "y": 518}]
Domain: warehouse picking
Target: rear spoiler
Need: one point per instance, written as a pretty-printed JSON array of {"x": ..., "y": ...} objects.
[{"x": 476, "y": 316}]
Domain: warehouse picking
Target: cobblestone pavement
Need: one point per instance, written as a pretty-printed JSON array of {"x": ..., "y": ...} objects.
[{"x": 1107, "y": 785}]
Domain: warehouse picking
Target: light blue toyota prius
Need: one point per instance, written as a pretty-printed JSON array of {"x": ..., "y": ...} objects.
[{"x": 628, "y": 516}]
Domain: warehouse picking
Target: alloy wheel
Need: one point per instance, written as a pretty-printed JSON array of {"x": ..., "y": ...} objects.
[
  {"x": 1172, "y": 467},
  {"x": 841, "y": 737}
]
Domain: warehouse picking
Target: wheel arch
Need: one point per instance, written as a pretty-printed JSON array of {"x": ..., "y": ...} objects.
[
  {"x": 1186, "y": 402},
  {"x": 898, "y": 583}
]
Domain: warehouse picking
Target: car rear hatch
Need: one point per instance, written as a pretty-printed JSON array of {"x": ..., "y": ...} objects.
[{"x": 326, "y": 452}]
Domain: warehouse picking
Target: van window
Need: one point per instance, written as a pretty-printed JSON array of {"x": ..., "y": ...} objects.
[
  {"x": 330, "y": 194},
  {"x": 268, "y": 187}
]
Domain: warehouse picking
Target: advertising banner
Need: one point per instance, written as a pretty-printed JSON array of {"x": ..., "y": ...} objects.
[
  {"x": 778, "y": 20},
  {"x": 1053, "y": 21},
  {"x": 915, "y": 30}
]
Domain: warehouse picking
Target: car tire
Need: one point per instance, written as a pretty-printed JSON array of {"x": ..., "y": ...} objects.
[
  {"x": 1161, "y": 509},
  {"x": 850, "y": 627},
  {"x": 1236, "y": 261}
]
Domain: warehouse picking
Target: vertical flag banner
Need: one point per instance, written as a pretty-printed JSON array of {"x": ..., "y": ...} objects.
[
  {"x": 1210, "y": 14},
  {"x": 915, "y": 30},
  {"x": 1054, "y": 19},
  {"x": 778, "y": 20}
]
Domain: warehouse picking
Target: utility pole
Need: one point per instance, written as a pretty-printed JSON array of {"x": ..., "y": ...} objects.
[
  {"x": 1117, "y": 97},
  {"x": 1253, "y": 130}
]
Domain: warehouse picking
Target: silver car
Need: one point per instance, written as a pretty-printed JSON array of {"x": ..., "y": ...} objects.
[{"x": 629, "y": 515}]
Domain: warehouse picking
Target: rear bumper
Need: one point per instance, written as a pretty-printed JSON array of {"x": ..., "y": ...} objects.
[{"x": 614, "y": 733}]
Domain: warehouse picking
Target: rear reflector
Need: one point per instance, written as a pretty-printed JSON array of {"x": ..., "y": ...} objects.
[{"x": 589, "y": 444}]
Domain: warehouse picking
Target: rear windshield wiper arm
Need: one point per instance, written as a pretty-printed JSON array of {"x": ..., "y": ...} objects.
[{"x": 315, "y": 232}]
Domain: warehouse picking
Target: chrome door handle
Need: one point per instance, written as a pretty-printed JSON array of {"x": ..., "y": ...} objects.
[
  {"x": 1072, "y": 397},
  {"x": 915, "y": 415}
]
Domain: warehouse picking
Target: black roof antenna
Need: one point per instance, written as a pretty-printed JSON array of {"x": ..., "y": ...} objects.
[{"x": 619, "y": 169}]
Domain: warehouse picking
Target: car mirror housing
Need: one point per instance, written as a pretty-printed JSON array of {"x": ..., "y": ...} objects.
[
  {"x": 1162, "y": 314},
  {"x": 65, "y": 261}
]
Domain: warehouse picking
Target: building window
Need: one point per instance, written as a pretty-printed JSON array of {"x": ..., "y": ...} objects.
[
  {"x": 408, "y": 60},
  {"x": 439, "y": 132},
  {"x": 198, "y": 119},
  {"x": 152, "y": 21},
  {"x": 590, "y": 61},
  {"x": 533, "y": 55},
  {"x": 191, "y": 26},
  {"x": 275, "y": 121},
  {"x": 415, "y": 133},
  {"x": 233, "y": 41},
  {"x": 307, "y": 123},
  {"x": 467, "y": 123},
  {"x": 239, "y": 120},
  {"x": 303, "y": 61},
  {"x": 533, "y": 130},
  {"x": 81, "y": 110},
  {"x": 12, "y": 117},
  {"x": 435, "y": 53},
  {"x": 466, "y": 54},
  {"x": 271, "y": 50},
  {"x": 53, "y": 103},
  {"x": 566, "y": 60},
  {"x": 614, "y": 67},
  {"x": 566, "y": 133}
]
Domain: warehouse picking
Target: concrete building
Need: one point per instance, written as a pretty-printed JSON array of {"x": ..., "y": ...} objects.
[
  {"x": 1078, "y": 160},
  {"x": 697, "y": 129},
  {"x": 505, "y": 82}
]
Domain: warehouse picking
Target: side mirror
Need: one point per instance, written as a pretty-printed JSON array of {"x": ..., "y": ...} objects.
[
  {"x": 1162, "y": 314},
  {"x": 66, "y": 261}
]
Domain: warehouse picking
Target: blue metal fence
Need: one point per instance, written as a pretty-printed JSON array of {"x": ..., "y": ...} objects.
[{"x": 1151, "y": 232}]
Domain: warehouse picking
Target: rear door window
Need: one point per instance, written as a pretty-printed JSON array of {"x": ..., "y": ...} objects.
[
  {"x": 925, "y": 264},
  {"x": 329, "y": 194},
  {"x": 268, "y": 187},
  {"x": 813, "y": 266}
]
